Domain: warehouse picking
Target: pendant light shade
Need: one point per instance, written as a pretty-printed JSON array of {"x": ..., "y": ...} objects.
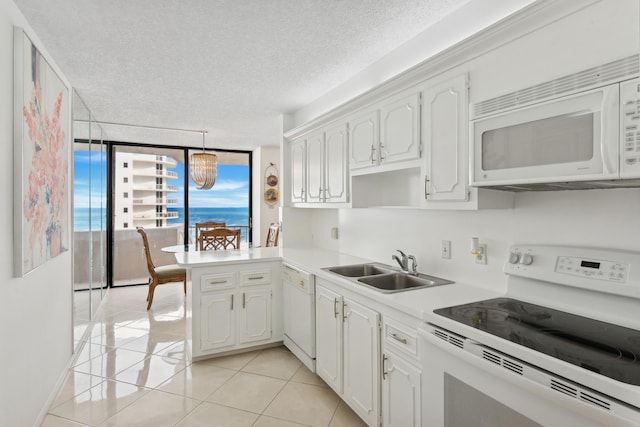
[{"x": 204, "y": 168}]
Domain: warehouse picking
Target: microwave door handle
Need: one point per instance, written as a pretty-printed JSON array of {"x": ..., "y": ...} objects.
[{"x": 609, "y": 132}]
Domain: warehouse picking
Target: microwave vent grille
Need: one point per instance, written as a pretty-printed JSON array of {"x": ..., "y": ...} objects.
[{"x": 611, "y": 72}]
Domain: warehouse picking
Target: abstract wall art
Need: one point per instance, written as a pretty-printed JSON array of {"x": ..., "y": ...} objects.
[{"x": 41, "y": 158}]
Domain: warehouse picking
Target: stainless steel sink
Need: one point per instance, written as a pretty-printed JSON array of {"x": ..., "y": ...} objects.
[
  {"x": 360, "y": 270},
  {"x": 385, "y": 278},
  {"x": 397, "y": 282}
]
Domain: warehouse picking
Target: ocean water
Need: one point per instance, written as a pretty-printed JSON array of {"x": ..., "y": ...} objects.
[
  {"x": 83, "y": 218},
  {"x": 97, "y": 218},
  {"x": 231, "y": 216}
]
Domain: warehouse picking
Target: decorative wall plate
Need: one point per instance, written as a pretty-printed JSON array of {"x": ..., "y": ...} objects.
[
  {"x": 271, "y": 196},
  {"x": 272, "y": 180}
]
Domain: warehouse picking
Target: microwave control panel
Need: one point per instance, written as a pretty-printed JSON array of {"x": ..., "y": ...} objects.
[{"x": 630, "y": 112}]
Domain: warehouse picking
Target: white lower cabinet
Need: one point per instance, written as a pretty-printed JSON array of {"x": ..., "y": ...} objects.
[
  {"x": 401, "y": 376},
  {"x": 329, "y": 336},
  {"x": 217, "y": 320},
  {"x": 254, "y": 317},
  {"x": 347, "y": 350},
  {"x": 235, "y": 307}
]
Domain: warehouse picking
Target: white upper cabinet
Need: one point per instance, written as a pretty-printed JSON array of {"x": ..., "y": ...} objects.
[
  {"x": 297, "y": 164},
  {"x": 319, "y": 167},
  {"x": 400, "y": 129},
  {"x": 389, "y": 132},
  {"x": 315, "y": 167},
  {"x": 336, "y": 167},
  {"x": 364, "y": 133},
  {"x": 444, "y": 135}
]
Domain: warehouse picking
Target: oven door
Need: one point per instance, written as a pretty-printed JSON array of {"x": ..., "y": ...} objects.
[
  {"x": 465, "y": 383},
  {"x": 570, "y": 139}
]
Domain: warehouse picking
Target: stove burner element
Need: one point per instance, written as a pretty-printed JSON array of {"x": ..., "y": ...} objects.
[{"x": 600, "y": 347}]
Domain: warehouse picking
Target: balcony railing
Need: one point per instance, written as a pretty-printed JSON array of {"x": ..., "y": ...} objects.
[
  {"x": 166, "y": 187},
  {"x": 129, "y": 262},
  {"x": 156, "y": 215}
]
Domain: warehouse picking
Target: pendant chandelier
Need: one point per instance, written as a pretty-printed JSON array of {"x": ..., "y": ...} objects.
[{"x": 204, "y": 168}]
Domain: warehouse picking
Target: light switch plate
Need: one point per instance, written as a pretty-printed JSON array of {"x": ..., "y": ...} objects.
[{"x": 445, "y": 251}]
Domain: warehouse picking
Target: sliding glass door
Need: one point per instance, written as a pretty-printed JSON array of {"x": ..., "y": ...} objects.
[
  {"x": 148, "y": 192},
  {"x": 151, "y": 189}
]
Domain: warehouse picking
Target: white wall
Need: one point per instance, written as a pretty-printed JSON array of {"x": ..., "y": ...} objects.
[
  {"x": 597, "y": 218},
  {"x": 264, "y": 213},
  {"x": 597, "y": 33},
  {"x": 36, "y": 310}
]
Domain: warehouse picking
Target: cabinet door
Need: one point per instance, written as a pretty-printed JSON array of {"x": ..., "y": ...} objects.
[
  {"x": 298, "y": 162},
  {"x": 315, "y": 168},
  {"x": 364, "y": 140},
  {"x": 361, "y": 360},
  {"x": 400, "y": 129},
  {"x": 336, "y": 181},
  {"x": 400, "y": 392},
  {"x": 254, "y": 322},
  {"x": 217, "y": 320},
  {"x": 445, "y": 140},
  {"x": 329, "y": 337}
]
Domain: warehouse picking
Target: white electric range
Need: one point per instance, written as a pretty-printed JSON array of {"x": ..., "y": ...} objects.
[{"x": 561, "y": 348}]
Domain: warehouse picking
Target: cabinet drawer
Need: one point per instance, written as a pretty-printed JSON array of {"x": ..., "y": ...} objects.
[
  {"x": 258, "y": 277},
  {"x": 402, "y": 337},
  {"x": 212, "y": 282}
]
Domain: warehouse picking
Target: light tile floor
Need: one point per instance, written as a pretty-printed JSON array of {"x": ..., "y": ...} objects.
[{"x": 133, "y": 369}]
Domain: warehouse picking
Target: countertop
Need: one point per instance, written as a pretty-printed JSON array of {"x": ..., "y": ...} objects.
[
  {"x": 191, "y": 259},
  {"x": 418, "y": 303}
]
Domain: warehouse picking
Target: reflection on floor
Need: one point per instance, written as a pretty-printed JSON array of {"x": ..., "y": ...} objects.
[{"x": 132, "y": 370}]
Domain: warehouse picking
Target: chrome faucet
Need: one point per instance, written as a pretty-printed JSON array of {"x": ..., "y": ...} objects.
[
  {"x": 414, "y": 265},
  {"x": 404, "y": 262}
]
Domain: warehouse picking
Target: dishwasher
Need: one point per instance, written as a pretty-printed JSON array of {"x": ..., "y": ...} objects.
[{"x": 299, "y": 314}]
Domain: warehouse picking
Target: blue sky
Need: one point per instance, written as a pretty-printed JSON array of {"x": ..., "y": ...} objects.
[{"x": 230, "y": 190}]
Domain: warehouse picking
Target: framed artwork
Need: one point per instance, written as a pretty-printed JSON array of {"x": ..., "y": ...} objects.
[{"x": 41, "y": 158}]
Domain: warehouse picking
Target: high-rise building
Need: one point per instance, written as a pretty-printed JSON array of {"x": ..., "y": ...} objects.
[{"x": 142, "y": 193}]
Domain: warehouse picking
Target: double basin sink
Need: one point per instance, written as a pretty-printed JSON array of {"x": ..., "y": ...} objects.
[{"x": 385, "y": 278}]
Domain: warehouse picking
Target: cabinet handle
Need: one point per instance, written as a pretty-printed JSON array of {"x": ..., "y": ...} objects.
[
  {"x": 231, "y": 301},
  {"x": 381, "y": 151},
  {"x": 426, "y": 185},
  {"x": 335, "y": 308},
  {"x": 344, "y": 311},
  {"x": 217, "y": 282},
  {"x": 397, "y": 338},
  {"x": 301, "y": 283},
  {"x": 384, "y": 370},
  {"x": 243, "y": 300},
  {"x": 256, "y": 278},
  {"x": 371, "y": 157}
]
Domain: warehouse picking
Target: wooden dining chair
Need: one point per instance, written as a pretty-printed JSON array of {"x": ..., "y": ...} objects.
[
  {"x": 272, "y": 235},
  {"x": 208, "y": 225},
  {"x": 219, "y": 238},
  {"x": 162, "y": 274}
]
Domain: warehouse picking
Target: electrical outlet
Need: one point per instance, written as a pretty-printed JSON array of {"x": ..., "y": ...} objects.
[{"x": 445, "y": 251}]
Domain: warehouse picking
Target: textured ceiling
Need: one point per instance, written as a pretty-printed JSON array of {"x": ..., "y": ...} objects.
[{"x": 231, "y": 67}]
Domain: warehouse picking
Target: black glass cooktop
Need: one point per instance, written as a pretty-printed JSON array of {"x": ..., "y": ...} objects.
[{"x": 604, "y": 348}]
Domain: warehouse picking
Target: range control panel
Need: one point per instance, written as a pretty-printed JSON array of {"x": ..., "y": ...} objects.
[
  {"x": 604, "y": 270},
  {"x": 592, "y": 268}
]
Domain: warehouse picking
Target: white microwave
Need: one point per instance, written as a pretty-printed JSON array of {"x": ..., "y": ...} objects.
[{"x": 589, "y": 139}]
